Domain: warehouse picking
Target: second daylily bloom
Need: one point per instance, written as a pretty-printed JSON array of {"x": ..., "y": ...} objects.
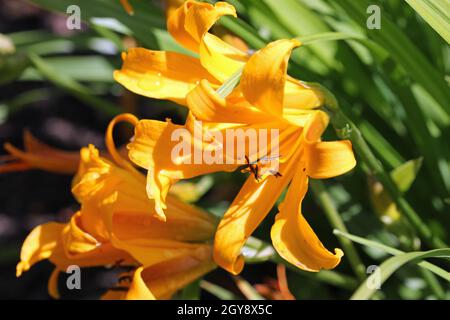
[{"x": 117, "y": 226}]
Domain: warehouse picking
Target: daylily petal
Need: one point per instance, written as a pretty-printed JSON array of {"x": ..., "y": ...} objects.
[
  {"x": 221, "y": 59},
  {"x": 292, "y": 236},
  {"x": 138, "y": 289},
  {"x": 160, "y": 74},
  {"x": 329, "y": 159},
  {"x": 206, "y": 105},
  {"x": 39, "y": 245},
  {"x": 164, "y": 279},
  {"x": 248, "y": 209},
  {"x": 38, "y": 155},
  {"x": 155, "y": 148},
  {"x": 315, "y": 125},
  {"x": 149, "y": 252},
  {"x": 172, "y": 5},
  {"x": 298, "y": 96},
  {"x": 53, "y": 284},
  {"x": 264, "y": 76},
  {"x": 190, "y": 22}
]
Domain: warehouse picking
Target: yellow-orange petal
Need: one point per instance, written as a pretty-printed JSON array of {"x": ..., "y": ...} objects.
[
  {"x": 138, "y": 289},
  {"x": 149, "y": 252},
  {"x": 160, "y": 74},
  {"x": 190, "y": 22},
  {"x": 248, "y": 209},
  {"x": 315, "y": 125},
  {"x": 169, "y": 153},
  {"x": 146, "y": 135},
  {"x": 164, "y": 279},
  {"x": 293, "y": 238},
  {"x": 38, "y": 155},
  {"x": 206, "y": 105},
  {"x": 40, "y": 244},
  {"x": 264, "y": 76},
  {"x": 329, "y": 159},
  {"x": 52, "y": 287},
  {"x": 221, "y": 59},
  {"x": 300, "y": 101},
  {"x": 172, "y": 5}
]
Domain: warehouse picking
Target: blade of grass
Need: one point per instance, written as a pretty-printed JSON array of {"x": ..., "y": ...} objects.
[
  {"x": 217, "y": 291},
  {"x": 72, "y": 87},
  {"x": 393, "y": 251},
  {"x": 405, "y": 53},
  {"x": 387, "y": 268},
  {"x": 325, "y": 201},
  {"x": 435, "y": 13},
  {"x": 346, "y": 129}
]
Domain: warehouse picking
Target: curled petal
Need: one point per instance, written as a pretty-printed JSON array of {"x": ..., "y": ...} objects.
[
  {"x": 315, "y": 125},
  {"x": 264, "y": 76},
  {"x": 190, "y": 22},
  {"x": 329, "y": 159},
  {"x": 292, "y": 236},
  {"x": 248, "y": 209},
  {"x": 138, "y": 289}
]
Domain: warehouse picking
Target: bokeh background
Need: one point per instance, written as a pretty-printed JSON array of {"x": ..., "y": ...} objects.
[{"x": 58, "y": 85}]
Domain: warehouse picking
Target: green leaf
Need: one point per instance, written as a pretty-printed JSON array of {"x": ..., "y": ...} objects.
[
  {"x": 404, "y": 175},
  {"x": 393, "y": 251},
  {"x": 144, "y": 24},
  {"x": 71, "y": 86},
  {"x": 387, "y": 268},
  {"x": 256, "y": 251},
  {"x": 79, "y": 68},
  {"x": 218, "y": 291},
  {"x": 328, "y": 36},
  {"x": 191, "y": 291},
  {"x": 436, "y": 13},
  {"x": 403, "y": 50},
  {"x": 191, "y": 192},
  {"x": 12, "y": 66},
  {"x": 225, "y": 89}
]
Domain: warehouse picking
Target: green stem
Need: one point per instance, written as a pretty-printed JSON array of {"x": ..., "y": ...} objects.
[
  {"x": 346, "y": 129},
  {"x": 433, "y": 283},
  {"x": 325, "y": 201},
  {"x": 327, "y": 276}
]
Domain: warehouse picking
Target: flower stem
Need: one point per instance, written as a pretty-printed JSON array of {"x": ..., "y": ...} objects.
[{"x": 325, "y": 201}]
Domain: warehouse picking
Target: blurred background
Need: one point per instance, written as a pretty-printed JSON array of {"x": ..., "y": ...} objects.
[{"x": 392, "y": 82}]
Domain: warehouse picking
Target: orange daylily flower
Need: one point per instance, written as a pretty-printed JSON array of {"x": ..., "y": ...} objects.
[
  {"x": 117, "y": 225},
  {"x": 171, "y": 75},
  {"x": 265, "y": 99}
]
